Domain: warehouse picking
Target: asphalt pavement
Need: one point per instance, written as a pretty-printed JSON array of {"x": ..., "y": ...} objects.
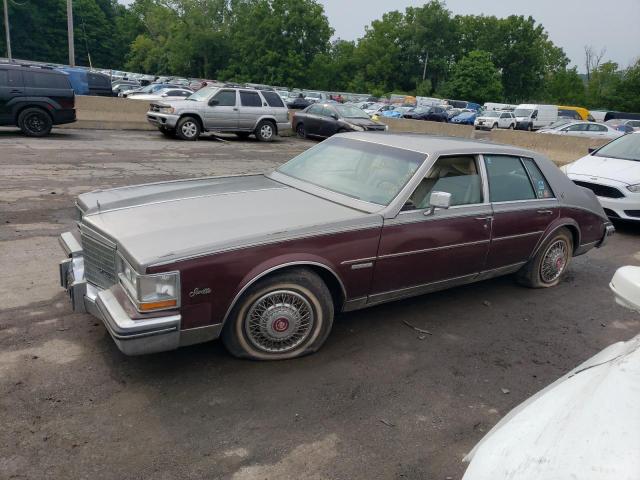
[{"x": 379, "y": 401}]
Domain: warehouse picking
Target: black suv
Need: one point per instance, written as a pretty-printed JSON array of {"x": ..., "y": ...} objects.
[{"x": 35, "y": 98}]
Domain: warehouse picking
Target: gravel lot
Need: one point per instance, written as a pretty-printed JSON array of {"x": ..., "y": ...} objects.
[{"x": 377, "y": 402}]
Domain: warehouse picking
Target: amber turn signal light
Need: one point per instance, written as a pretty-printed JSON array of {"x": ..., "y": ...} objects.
[{"x": 147, "y": 307}]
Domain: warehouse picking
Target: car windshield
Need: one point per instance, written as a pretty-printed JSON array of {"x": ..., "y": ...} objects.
[
  {"x": 347, "y": 111},
  {"x": 626, "y": 147},
  {"x": 202, "y": 94},
  {"x": 522, "y": 112},
  {"x": 362, "y": 170}
]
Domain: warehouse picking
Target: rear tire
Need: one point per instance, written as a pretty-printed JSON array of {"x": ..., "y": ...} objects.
[
  {"x": 494, "y": 126},
  {"x": 188, "y": 128},
  {"x": 285, "y": 315},
  {"x": 512, "y": 127},
  {"x": 265, "y": 131},
  {"x": 551, "y": 262},
  {"x": 35, "y": 122}
]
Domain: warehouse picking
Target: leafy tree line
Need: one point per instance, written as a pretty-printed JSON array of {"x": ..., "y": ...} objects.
[{"x": 424, "y": 50}]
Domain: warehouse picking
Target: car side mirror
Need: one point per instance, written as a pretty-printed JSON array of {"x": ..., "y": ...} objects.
[
  {"x": 213, "y": 102},
  {"x": 438, "y": 200},
  {"x": 164, "y": 95},
  {"x": 591, "y": 149}
]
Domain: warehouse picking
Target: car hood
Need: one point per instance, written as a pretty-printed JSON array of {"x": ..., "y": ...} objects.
[
  {"x": 166, "y": 222},
  {"x": 626, "y": 171},
  {"x": 585, "y": 425},
  {"x": 487, "y": 119},
  {"x": 180, "y": 103}
]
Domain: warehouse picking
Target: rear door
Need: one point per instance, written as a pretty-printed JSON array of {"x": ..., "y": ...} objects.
[
  {"x": 48, "y": 84},
  {"x": 224, "y": 114},
  {"x": 251, "y": 109},
  {"x": 11, "y": 87},
  {"x": 523, "y": 207}
]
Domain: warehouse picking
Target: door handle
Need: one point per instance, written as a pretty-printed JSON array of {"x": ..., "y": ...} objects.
[
  {"x": 545, "y": 212},
  {"x": 16, "y": 91},
  {"x": 484, "y": 218},
  {"x": 235, "y": 109}
]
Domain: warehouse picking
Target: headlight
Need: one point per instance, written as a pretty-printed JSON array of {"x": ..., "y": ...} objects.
[
  {"x": 166, "y": 109},
  {"x": 634, "y": 188},
  {"x": 159, "y": 291},
  {"x": 356, "y": 128}
]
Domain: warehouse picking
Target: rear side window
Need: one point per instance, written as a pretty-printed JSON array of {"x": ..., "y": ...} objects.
[
  {"x": 596, "y": 128},
  {"x": 250, "y": 99},
  {"x": 99, "y": 80},
  {"x": 540, "y": 184},
  {"x": 46, "y": 80},
  {"x": 508, "y": 179},
  {"x": 273, "y": 99}
]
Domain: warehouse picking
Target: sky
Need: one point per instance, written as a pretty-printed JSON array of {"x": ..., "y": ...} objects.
[{"x": 571, "y": 24}]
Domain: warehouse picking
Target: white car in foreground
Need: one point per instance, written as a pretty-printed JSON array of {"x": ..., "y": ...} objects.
[
  {"x": 613, "y": 173},
  {"x": 489, "y": 120},
  {"x": 584, "y": 129},
  {"x": 584, "y": 426}
]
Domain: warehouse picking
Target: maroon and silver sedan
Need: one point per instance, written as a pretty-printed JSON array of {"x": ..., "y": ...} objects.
[{"x": 266, "y": 261}]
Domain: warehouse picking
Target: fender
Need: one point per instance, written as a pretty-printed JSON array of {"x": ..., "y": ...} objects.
[
  {"x": 553, "y": 227},
  {"x": 17, "y": 104},
  {"x": 278, "y": 263}
]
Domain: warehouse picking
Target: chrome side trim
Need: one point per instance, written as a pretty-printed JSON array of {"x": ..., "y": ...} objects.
[
  {"x": 520, "y": 235},
  {"x": 358, "y": 260},
  {"x": 419, "y": 289},
  {"x": 499, "y": 271},
  {"x": 433, "y": 249},
  {"x": 355, "y": 304},
  {"x": 545, "y": 237},
  {"x": 193, "y": 336},
  {"x": 360, "y": 266},
  {"x": 280, "y": 267}
]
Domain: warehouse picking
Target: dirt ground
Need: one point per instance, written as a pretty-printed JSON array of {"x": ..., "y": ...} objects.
[{"x": 377, "y": 402}]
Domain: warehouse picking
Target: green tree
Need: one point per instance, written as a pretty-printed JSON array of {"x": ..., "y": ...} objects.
[
  {"x": 565, "y": 87},
  {"x": 276, "y": 41},
  {"x": 474, "y": 78}
]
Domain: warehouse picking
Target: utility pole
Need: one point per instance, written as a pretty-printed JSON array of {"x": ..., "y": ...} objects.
[
  {"x": 424, "y": 72},
  {"x": 6, "y": 29},
  {"x": 72, "y": 54}
]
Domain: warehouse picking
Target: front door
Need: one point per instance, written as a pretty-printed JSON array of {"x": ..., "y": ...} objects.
[
  {"x": 11, "y": 86},
  {"x": 523, "y": 207},
  {"x": 223, "y": 113},
  {"x": 328, "y": 121},
  {"x": 421, "y": 252}
]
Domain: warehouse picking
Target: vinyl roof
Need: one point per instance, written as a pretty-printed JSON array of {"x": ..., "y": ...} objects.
[{"x": 433, "y": 144}]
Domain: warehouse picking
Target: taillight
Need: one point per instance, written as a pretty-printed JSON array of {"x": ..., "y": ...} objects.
[{"x": 67, "y": 103}]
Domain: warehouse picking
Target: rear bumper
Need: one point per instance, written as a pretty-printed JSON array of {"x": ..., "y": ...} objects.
[
  {"x": 132, "y": 336},
  {"x": 64, "y": 116},
  {"x": 283, "y": 127},
  {"x": 609, "y": 230}
]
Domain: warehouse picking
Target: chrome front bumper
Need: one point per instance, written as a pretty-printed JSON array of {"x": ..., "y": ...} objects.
[
  {"x": 132, "y": 336},
  {"x": 165, "y": 120},
  {"x": 609, "y": 230}
]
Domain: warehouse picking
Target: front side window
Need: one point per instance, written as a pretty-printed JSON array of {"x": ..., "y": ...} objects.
[
  {"x": 540, "y": 184},
  {"x": 226, "y": 98},
  {"x": 250, "y": 99},
  {"x": 508, "y": 179},
  {"x": 315, "y": 110},
  {"x": 362, "y": 170},
  {"x": 458, "y": 176},
  {"x": 581, "y": 127}
]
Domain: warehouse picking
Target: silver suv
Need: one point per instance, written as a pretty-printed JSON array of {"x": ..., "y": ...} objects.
[{"x": 243, "y": 111}]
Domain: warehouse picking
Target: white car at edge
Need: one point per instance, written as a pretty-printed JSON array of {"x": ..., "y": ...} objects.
[
  {"x": 491, "y": 119},
  {"x": 583, "y": 129},
  {"x": 613, "y": 173}
]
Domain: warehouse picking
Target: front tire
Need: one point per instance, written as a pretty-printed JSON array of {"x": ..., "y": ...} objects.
[
  {"x": 286, "y": 315},
  {"x": 300, "y": 131},
  {"x": 188, "y": 128},
  {"x": 265, "y": 131},
  {"x": 35, "y": 122},
  {"x": 551, "y": 262}
]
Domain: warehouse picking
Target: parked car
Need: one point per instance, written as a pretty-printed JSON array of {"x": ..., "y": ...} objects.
[
  {"x": 621, "y": 116},
  {"x": 149, "y": 89},
  {"x": 490, "y": 120},
  {"x": 396, "y": 112},
  {"x": 316, "y": 97},
  {"x": 298, "y": 103},
  {"x": 584, "y": 129},
  {"x": 242, "y": 111},
  {"x": 465, "y": 118},
  {"x": 325, "y": 120},
  {"x": 612, "y": 172},
  {"x": 574, "y": 113},
  {"x": 624, "y": 125},
  {"x": 35, "y": 99},
  {"x": 378, "y": 109},
  {"x": 533, "y": 117},
  {"x": 164, "y": 94},
  {"x": 585, "y": 425},
  {"x": 85, "y": 82},
  {"x": 453, "y": 112},
  {"x": 434, "y": 114},
  {"x": 360, "y": 219},
  {"x": 124, "y": 85}
]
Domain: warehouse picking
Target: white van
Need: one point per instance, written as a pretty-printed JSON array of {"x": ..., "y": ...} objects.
[{"x": 532, "y": 117}]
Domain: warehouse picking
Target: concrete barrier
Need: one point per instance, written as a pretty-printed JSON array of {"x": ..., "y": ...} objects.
[
  {"x": 560, "y": 149},
  {"x": 110, "y": 113}
]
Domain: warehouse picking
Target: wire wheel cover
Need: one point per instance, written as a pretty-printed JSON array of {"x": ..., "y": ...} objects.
[
  {"x": 554, "y": 261},
  {"x": 279, "y": 321}
]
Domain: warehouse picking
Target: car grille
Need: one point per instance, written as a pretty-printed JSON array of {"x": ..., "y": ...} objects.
[
  {"x": 633, "y": 213},
  {"x": 601, "y": 190},
  {"x": 99, "y": 262}
]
